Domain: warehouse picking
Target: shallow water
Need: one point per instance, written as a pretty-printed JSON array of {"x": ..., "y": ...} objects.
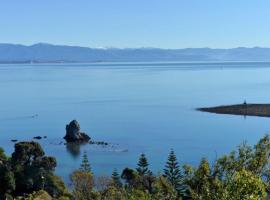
[{"x": 136, "y": 107}]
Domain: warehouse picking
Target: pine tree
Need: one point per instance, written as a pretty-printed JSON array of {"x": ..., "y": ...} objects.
[
  {"x": 85, "y": 165},
  {"x": 143, "y": 165},
  {"x": 173, "y": 173},
  {"x": 116, "y": 179}
]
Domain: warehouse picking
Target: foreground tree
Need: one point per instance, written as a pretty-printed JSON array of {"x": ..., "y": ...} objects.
[
  {"x": 142, "y": 168},
  {"x": 163, "y": 189},
  {"x": 31, "y": 167},
  {"x": 131, "y": 178},
  {"x": 85, "y": 165},
  {"x": 246, "y": 185},
  {"x": 243, "y": 174},
  {"x": 173, "y": 173},
  {"x": 201, "y": 183},
  {"x": 83, "y": 181},
  {"x": 83, "y": 184},
  {"x": 27, "y": 171},
  {"x": 7, "y": 180},
  {"x": 116, "y": 180},
  {"x": 113, "y": 193}
]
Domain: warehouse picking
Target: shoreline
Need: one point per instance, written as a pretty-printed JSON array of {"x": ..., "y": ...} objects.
[{"x": 258, "y": 110}]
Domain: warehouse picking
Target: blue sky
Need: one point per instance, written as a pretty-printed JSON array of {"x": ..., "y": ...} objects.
[{"x": 137, "y": 23}]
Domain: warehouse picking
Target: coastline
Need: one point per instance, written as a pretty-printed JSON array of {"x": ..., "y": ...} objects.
[{"x": 259, "y": 110}]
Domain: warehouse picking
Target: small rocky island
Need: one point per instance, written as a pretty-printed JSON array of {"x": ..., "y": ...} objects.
[
  {"x": 245, "y": 109},
  {"x": 74, "y": 134}
]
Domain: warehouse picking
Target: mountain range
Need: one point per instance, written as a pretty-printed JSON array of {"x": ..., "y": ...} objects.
[{"x": 42, "y": 53}]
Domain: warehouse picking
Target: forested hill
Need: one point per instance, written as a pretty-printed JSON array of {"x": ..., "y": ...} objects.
[{"x": 10, "y": 53}]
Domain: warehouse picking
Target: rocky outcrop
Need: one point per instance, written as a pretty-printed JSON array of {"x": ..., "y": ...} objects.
[{"x": 74, "y": 134}]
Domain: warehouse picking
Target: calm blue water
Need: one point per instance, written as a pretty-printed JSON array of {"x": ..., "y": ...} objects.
[{"x": 136, "y": 107}]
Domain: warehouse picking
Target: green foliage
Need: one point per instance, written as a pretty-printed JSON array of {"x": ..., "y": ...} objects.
[
  {"x": 3, "y": 156},
  {"x": 201, "y": 183},
  {"x": 116, "y": 181},
  {"x": 254, "y": 159},
  {"x": 243, "y": 174},
  {"x": 40, "y": 195},
  {"x": 245, "y": 185},
  {"x": 83, "y": 181},
  {"x": 136, "y": 194},
  {"x": 260, "y": 156},
  {"x": 147, "y": 181},
  {"x": 142, "y": 168},
  {"x": 163, "y": 189},
  {"x": 85, "y": 165},
  {"x": 27, "y": 152},
  {"x": 7, "y": 181},
  {"x": 130, "y": 176},
  {"x": 55, "y": 186},
  {"x": 83, "y": 184},
  {"x": 31, "y": 167},
  {"x": 173, "y": 173},
  {"x": 113, "y": 193},
  {"x": 28, "y": 170}
]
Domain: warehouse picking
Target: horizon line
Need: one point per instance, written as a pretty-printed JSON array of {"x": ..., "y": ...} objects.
[{"x": 142, "y": 47}]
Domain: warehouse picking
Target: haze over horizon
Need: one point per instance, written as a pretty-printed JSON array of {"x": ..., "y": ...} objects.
[
  {"x": 172, "y": 24},
  {"x": 129, "y": 47},
  {"x": 41, "y": 53}
]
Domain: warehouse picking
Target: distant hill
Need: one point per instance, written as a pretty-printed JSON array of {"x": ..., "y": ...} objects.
[{"x": 10, "y": 53}]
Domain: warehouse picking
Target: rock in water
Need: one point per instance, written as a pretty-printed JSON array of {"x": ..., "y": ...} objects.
[
  {"x": 37, "y": 137},
  {"x": 74, "y": 134}
]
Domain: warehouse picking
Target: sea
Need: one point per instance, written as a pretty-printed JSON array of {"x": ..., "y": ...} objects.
[{"x": 136, "y": 108}]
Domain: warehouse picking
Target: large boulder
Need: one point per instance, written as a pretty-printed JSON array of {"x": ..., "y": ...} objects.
[{"x": 74, "y": 134}]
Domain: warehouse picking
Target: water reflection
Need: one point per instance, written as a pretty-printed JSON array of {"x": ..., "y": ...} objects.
[{"x": 74, "y": 149}]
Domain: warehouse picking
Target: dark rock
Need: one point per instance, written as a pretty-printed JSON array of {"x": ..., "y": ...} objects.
[
  {"x": 45, "y": 137},
  {"x": 99, "y": 143},
  {"x": 102, "y": 143},
  {"x": 38, "y": 137},
  {"x": 74, "y": 134},
  {"x": 14, "y": 140},
  {"x": 91, "y": 142}
]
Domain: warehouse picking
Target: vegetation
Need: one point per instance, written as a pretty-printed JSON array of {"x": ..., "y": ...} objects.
[
  {"x": 243, "y": 174},
  {"x": 173, "y": 174},
  {"x": 85, "y": 166},
  {"x": 116, "y": 180},
  {"x": 28, "y": 170},
  {"x": 143, "y": 166}
]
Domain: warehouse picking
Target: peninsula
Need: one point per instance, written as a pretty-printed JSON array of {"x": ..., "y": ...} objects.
[{"x": 260, "y": 110}]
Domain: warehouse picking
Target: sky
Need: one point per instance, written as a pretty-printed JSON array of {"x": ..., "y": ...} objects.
[{"x": 137, "y": 23}]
